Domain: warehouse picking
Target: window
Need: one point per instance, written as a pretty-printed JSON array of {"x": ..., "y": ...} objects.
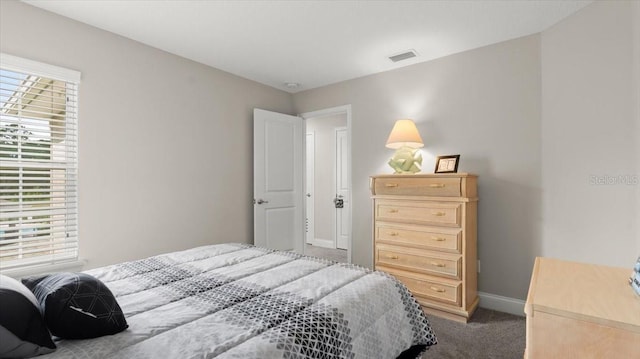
[{"x": 38, "y": 163}]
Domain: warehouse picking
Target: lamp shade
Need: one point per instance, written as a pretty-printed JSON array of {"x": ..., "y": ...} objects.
[{"x": 404, "y": 134}]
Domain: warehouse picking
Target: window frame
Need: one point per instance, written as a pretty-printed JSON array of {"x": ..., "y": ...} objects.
[{"x": 34, "y": 68}]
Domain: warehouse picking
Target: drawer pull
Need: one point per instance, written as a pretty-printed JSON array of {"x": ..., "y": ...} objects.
[
  {"x": 437, "y": 185},
  {"x": 394, "y": 234},
  {"x": 393, "y": 257},
  {"x": 393, "y": 211},
  {"x": 439, "y": 265},
  {"x": 436, "y": 289},
  {"x": 439, "y": 214},
  {"x": 438, "y": 239},
  {"x": 391, "y": 185}
]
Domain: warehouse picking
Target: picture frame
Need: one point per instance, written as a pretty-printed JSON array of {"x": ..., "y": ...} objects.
[{"x": 447, "y": 164}]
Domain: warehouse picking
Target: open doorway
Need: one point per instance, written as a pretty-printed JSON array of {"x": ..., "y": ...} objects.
[{"x": 328, "y": 184}]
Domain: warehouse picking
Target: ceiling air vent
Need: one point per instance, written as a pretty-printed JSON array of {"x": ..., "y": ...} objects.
[{"x": 403, "y": 56}]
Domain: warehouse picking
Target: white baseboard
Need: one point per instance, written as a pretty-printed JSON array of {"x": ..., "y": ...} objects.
[
  {"x": 502, "y": 304},
  {"x": 321, "y": 242}
]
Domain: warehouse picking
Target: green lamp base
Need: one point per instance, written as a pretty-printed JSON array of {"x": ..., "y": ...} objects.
[{"x": 406, "y": 160}]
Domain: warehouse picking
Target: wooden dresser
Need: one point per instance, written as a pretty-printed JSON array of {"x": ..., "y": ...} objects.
[
  {"x": 577, "y": 310},
  {"x": 425, "y": 235}
]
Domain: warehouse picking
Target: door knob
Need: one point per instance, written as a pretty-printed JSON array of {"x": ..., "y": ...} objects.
[{"x": 261, "y": 201}]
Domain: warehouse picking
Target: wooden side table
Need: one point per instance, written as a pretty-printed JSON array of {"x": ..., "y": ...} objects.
[{"x": 577, "y": 310}]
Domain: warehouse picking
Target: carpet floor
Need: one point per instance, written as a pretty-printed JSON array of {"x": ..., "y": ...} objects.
[
  {"x": 337, "y": 255},
  {"x": 488, "y": 335}
]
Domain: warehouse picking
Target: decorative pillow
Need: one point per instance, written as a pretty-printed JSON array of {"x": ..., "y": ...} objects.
[
  {"x": 22, "y": 328},
  {"x": 77, "y": 305}
]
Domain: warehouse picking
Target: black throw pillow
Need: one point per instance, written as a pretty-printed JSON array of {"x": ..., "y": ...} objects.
[
  {"x": 77, "y": 305},
  {"x": 23, "y": 333}
]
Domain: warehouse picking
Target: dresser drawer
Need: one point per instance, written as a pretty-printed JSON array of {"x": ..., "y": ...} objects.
[
  {"x": 408, "y": 186},
  {"x": 449, "y": 292},
  {"x": 442, "y": 213},
  {"x": 433, "y": 238},
  {"x": 419, "y": 261}
]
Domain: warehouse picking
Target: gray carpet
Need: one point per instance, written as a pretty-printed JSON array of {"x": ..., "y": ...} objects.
[
  {"x": 489, "y": 334},
  {"x": 338, "y": 255}
]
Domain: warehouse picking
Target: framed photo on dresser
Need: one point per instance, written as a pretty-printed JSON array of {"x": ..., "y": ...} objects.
[{"x": 447, "y": 164}]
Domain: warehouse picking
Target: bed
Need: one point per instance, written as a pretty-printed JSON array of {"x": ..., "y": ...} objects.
[{"x": 240, "y": 301}]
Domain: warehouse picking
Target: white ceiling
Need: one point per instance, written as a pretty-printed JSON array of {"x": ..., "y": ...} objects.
[{"x": 313, "y": 43}]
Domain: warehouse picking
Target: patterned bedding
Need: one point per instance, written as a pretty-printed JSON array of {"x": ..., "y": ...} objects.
[{"x": 239, "y": 301}]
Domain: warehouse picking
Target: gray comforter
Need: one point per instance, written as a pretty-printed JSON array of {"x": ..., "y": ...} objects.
[{"x": 240, "y": 301}]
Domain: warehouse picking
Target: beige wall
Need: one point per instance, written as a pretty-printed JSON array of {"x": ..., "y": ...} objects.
[
  {"x": 325, "y": 154},
  {"x": 535, "y": 118},
  {"x": 636, "y": 61},
  {"x": 588, "y": 137},
  {"x": 483, "y": 104},
  {"x": 165, "y": 143}
]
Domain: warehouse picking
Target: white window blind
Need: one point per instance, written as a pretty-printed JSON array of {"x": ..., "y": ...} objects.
[{"x": 38, "y": 163}]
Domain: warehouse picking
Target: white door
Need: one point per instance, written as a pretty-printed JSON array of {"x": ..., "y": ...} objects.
[
  {"x": 342, "y": 188},
  {"x": 277, "y": 180},
  {"x": 310, "y": 188}
]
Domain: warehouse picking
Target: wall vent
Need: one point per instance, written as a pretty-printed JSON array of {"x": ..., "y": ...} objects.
[{"x": 403, "y": 56}]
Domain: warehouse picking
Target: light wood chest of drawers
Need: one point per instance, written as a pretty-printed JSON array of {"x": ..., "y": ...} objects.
[
  {"x": 425, "y": 230},
  {"x": 578, "y": 310}
]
